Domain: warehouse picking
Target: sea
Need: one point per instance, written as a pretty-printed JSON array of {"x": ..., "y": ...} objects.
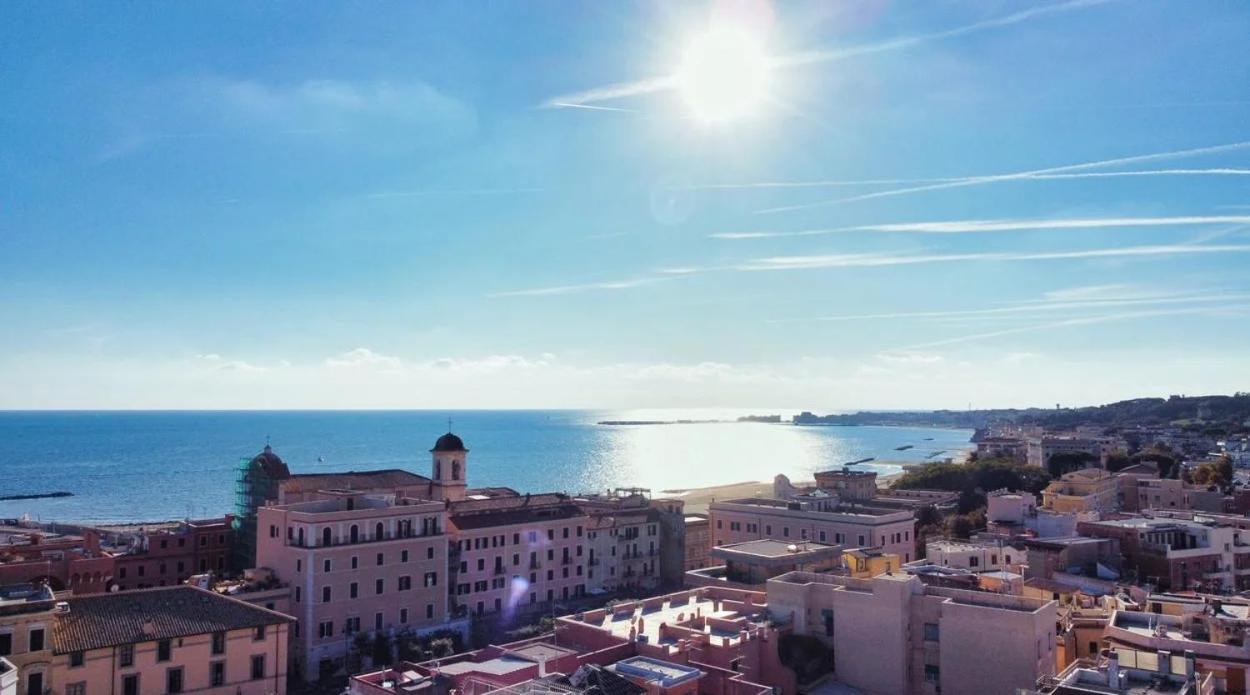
[{"x": 131, "y": 466}]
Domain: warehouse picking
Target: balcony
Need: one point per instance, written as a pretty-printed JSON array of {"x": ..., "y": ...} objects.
[{"x": 361, "y": 539}]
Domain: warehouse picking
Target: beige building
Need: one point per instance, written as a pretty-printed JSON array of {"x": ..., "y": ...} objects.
[
  {"x": 698, "y": 541},
  {"x": 27, "y": 614},
  {"x": 152, "y": 641},
  {"x": 893, "y": 634},
  {"x": 1086, "y": 490},
  {"x": 828, "y": 520}
]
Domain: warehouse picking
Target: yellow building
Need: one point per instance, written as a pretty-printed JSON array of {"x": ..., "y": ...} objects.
[
  {"x": 865, "y": 563},
  {"x": 1086, "y": 490}
]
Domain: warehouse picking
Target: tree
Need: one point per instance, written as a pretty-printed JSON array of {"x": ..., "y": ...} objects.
[
  {"x": 1162, "y": 458},
  {"x": 356, "y": 654},
  {"x": 381, "y": 650},
  {"x": 928, "y": 515},
  {"x": 1065, "y": 462},
  {"x": 1118, "y": 460}
]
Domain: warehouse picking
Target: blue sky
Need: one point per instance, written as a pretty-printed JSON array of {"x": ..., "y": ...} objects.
[{"x": 517, "y": 205}]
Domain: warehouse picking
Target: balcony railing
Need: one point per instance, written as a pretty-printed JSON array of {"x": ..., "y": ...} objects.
[{"x": 317, "y": 542}]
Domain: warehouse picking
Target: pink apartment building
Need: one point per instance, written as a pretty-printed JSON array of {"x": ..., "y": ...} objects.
[
  {"x": 830, "y": 521},
  {"x": 356, "y": 562},
  {"x": 400, "y": 551}
]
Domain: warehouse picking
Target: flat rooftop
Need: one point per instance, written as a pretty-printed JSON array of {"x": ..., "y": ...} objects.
[
  {"x": 665, "y": 673},
  {"x": 773, "y": 549}
]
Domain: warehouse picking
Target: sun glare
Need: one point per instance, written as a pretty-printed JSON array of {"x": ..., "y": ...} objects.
[{"x": 723, "y": 74}]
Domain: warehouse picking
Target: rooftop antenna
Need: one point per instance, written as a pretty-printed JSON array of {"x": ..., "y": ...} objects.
[{"x": 449, "y": 424}]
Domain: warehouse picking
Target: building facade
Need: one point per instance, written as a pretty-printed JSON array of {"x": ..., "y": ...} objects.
[{"x": 831, "y": 521}]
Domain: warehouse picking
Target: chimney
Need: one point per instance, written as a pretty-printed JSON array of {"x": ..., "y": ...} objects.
[
  {"x": 1113, "y": 669},
  {"x": 1165, "y": 663}
]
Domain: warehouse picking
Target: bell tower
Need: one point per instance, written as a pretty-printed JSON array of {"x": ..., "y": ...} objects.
[{"x": 449, "y": 467}]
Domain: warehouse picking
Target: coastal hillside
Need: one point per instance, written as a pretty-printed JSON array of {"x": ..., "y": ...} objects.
[{"x": 1227, "y": 414}]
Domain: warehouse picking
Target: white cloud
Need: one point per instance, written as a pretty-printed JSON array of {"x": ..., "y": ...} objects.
[
  {"x": 364, "y": 357},
  {"x": 982, "y": 180},
  {"x": 1004, "y": 225}
]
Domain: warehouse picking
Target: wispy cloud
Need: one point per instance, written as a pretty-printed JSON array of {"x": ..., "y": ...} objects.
[
  {"x": 851, "y": 183},
  {"x": 982, "y": 180},
  {"x": 661, "y": 83},
  {"x": 1028, "y": 308},
  {"x": 588, "y": 107},
  {"x": 574, "y": 289},
  {"x": 904, "y": 42},
  {"x": 1080, "y": 321},
  {"x": 888, "y": 259},
  {"x": 1002, "y": 225}
]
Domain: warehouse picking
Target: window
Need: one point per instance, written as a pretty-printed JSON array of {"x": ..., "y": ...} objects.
[
  {"x": 325, "y": 594},
  {"x": 163, "y": 650},
  {"x": 403, "y": 556},
  {"x": 325, "y": 629},
  {"x": 173, "y": 680},
  {"x": 381, "y": 559},
  {"x": 325, "y": 566},
  {"x": 431, "y": 579},
  {"x": 6, "y": 644},
  {"x": 258, "y": 667},
  {"x": 34, "y": 641},
  {"x": 126, "y": 657},
  {"x": 79, "y": 688},
  {"x": 130, "y": 684},
  {"x": 219, "y": 643},
  {"x": 974, "y": 561},
  {"x": 355, "y": 562},
  {"x": 75, "y": 659},
  {"x": 217, "y": 673},
  {"x": 932, "y": 674},
  {"x": 785, "y": 531},
  {"x": 377, "y": 621},
  {"x": 931, "y": 632},
  {"x": 429, "y": 553},
  {"x": 405, "y": 584},
  {"x": 403, "y": 616},
  {"x": 259, "y": 633},
  {"x": 378, "y": 585},
  {"x": 353, "y": 590},
  {"x": 429, "y": 611}
]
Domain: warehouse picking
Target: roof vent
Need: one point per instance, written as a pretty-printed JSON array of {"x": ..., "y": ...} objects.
[{"x": 62, "y": 606}]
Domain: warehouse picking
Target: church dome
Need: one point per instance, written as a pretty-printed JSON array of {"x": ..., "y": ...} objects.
[
  {"x": 271, "y": 464},
  {"x": 449, "y": 442}
]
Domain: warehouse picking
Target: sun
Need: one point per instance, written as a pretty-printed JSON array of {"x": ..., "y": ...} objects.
[{"x": 723, "y": 74}]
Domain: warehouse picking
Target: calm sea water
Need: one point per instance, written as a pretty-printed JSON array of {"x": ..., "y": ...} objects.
[{"x": 166, "y": 465}]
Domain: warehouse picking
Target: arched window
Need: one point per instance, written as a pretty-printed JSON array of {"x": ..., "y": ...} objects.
[
  {"x": 325, "y": 535},
  {"x": 438, "y": 468},
  {"x": 355, "y": 534},
  {"x": 377, "y": 531},
  {"x": 300, "y": 537},
  {"x": 455, "y": 470}
]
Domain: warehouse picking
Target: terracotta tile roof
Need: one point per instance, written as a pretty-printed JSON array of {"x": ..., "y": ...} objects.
[
  {"x": 128, "y": 617},
  {"x": 353, "y": 480}
]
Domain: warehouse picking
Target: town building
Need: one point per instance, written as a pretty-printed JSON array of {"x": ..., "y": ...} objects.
[
  {"x": 1098, "y": 447},
  {"x": 1086, "y": 490},
  {"x": 167, "y": 640},
  {"x": 166, "y": 555},
  {"x": 27, "y": 615},
  {"x": 829, "y": 521},
  {"x": 750, "y": 564},
  {"x": 393, "y": 551},
  {"x": 60, "y": 560},
  {"x": 1164, "y": 675},
  {"x": 707, "y": 640},
  {"x": 698, "y": 541},
  {"x": 356, "y": 562},
  {"x": 1162, "y": 643},
  {"x": 1179, "y": 554},
  {"x": 1003, "y": 448},
  {"x": 895, "y": 634},
  {"x": 978, "y": 554}
]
